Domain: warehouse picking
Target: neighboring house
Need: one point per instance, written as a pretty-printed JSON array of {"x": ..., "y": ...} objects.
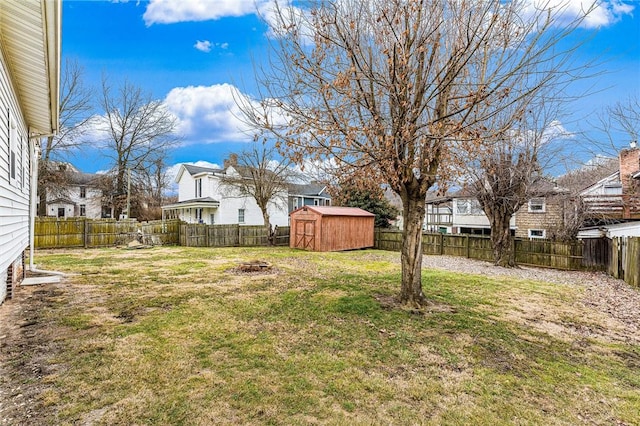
[
  {"x": 311, "y": 194},
  {"x": 544, "y": 214},
  {"x": 203, "y": 198},
  {"x": 625, "y": 229},
  {"x": 617, "y": 196},
  {"x": 80, "y": 197},
  {"x": 458, "y": 213},
  {"x": 29, "y": 97}
]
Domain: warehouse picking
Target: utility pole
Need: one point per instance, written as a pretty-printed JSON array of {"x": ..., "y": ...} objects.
[{"x": 128, "y": 191}]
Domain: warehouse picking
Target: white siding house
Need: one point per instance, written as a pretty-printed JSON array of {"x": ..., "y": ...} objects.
[
  {"x": 80, "y": 197},
  {"x": 203, "y": 199},
  {"x": 29, "y": 90},
  {"x": 458, "y": 214}
]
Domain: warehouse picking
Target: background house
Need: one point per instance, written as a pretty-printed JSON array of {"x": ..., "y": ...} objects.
[
  {"x": 544, "y": 215},
  {"x": 615, "y": 197},
  {"x": 461, "y": 213},
  {"x": 203, "y": 198},
  {"x": 29, "y": 97},
  {"x": 310, "y": 194},
  {"x": 458, "y": 213},
  {"x": 79, "y": 196}
]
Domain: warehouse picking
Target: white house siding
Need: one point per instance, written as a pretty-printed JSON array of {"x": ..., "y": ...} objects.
[
  {"x": 14, "y": 193},
  {"x": 92, "y": 203},
  {"x": 230, "y": 203}
]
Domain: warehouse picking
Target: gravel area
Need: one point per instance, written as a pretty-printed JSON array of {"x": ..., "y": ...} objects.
[{"x": 601, "y": 291}]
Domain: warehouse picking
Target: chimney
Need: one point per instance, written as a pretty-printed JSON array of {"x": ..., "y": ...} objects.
[
  {"x": 629, "y": 164},
  {"x": 231, "y": 161}
]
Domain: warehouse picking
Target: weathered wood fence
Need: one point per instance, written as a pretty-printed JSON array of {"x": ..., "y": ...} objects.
[
  {"x": 82, "y": 232},
  {"x": 625, "y": 260},
  {"x": 545, "y": 253},
  {"x": 194, "y": 235},
  {"x": 620, "y": 257}
]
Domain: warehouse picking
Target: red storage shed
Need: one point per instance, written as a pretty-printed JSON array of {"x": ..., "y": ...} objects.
[{"x": 318, "y": 228}]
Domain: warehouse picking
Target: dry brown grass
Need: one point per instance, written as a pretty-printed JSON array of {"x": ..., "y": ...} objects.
[{"x": 175, "y": 336}]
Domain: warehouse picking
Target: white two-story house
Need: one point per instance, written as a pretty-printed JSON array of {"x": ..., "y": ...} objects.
[
  {"x": 203, "y": 198},
  {"x": 80, "y": 196}
]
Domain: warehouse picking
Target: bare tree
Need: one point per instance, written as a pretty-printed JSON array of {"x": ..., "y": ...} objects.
[
  {"x": 138, "y": 130},
  {"x": 393, "y": 85},
  {"x": 262, "y": 177},
  {"x": 75, "y": 112},
  {"x": 509, "y": 172},
  {"x": 152, "y": 182}
]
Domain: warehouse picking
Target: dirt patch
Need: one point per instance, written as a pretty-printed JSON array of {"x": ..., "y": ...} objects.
[
  {"x": 392, "y": 302},
  {"x": 27, "y": 346}
]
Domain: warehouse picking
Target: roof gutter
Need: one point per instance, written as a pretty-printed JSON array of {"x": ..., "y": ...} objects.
[{"x": 52, "y": 24}]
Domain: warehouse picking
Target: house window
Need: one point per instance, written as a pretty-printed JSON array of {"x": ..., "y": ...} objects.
[
  {"x": 316, "y": 202},
  {"x": 536, "y": 205},
  {"x": 83, "y": 210},
  {"x": 213, "y": 216},
  {"x": 613, "y": 189},
  {"x": 198, "y": 188},
  {"x": 537, "y": 233},
  {"x": 13, "y": 141},
  {"x": 470, "y": 206},
  {"x": 199, "y": 215},
  {"x": 295, "y": 203},
  {"x": 240, "y": 215},
  {"x": 83, "y": 192},
  {"x": 25, "y": 162}
]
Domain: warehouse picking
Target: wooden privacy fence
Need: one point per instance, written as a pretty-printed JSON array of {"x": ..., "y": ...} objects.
[
  {"x": 625, "y": 259},
  {"x": 82, "y": 232},
  {"x": 620, "y": 257},
  {"x": 198, "y": 235},
  {"x": 545, "y": 253}
]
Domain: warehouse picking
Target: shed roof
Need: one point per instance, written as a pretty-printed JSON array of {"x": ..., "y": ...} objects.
[{"x": 336, "y": 211}]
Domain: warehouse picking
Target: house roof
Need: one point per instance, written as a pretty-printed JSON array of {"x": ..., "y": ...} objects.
[
  {"x": 196, "y": 170},
  {"x": 313, "y": 189},
  {"x": 61, "y": 200},
  {"x": 30, "y": 34},
  {"x": 80, "y": 178},
  {"x": 612, "y": 178},
  {"x": 336, "y": 211},
  {"x": 195, "y": 202}
]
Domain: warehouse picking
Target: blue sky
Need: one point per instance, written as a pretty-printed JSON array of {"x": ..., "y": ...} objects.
[{"x": 194, "y": 53}]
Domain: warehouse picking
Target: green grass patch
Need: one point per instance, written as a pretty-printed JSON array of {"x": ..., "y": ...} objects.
[{"x": 173, "y": 336}]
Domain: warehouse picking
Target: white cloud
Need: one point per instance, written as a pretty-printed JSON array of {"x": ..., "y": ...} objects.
[
  {"x": 172, "y": 11},
  {"x": 208, "y": 114},
  {"x": 203, "y": 46},
  {"x": 556, "y": 131},
  {"x": 602, "y": 14}
]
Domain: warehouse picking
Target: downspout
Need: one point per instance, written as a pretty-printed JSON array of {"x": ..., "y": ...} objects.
[{"x": 34, "y": 152}]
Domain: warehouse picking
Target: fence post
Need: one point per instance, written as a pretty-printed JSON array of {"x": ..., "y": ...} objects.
[
  {"x": 86, "y": 230},
  {"x": 441, "y": 244},
  {"x": 467, "y": 242}
]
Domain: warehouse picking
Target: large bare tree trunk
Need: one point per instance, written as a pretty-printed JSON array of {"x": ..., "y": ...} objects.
[
  {"x": 502, "y": 241},
  {"x": 411, "y": 290}
]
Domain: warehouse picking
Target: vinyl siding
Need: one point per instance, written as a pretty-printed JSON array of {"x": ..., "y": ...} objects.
[{"x": 14, "y": 193}]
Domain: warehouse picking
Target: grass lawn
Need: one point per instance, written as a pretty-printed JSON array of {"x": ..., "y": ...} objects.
[{"x": 172, "y": 336}]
